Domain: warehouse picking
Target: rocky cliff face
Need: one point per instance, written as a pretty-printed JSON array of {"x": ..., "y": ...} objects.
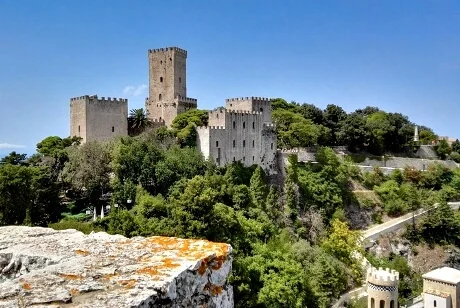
[{"x": 43, "y": 267}]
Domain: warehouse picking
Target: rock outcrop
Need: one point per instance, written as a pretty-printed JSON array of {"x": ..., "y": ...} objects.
[{"x": 42, "y": 267}]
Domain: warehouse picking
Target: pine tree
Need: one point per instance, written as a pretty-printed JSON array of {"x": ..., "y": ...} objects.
[
  {"x": 258, "y": 188},
  {"x": 273, "y": 205}
]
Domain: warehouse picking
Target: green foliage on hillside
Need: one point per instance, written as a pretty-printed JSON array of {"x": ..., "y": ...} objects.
[{"x": 369, "y": 129}]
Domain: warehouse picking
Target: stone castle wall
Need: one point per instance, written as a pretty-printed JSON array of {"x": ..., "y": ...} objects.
[
  {"x": 94, "y": 118},
  {"x": 239, "y": 135}
]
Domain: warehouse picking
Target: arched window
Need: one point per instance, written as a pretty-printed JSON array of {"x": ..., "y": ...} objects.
[
  {"x": 244, "y": 125},
  {"x": 161, "y": 79},
  {"x": 253, "y": 158},
  {"x": 261, "y": 109},
  {"x": 234, "y": 124},
  {"x": 217, "y": 144},
  {"x": 434, "y": 304},
  {"x": 382, "y": 303},
  {"x": 159, "y": 97},
  {"x": 392, "y": 304},
  {"x": 234, "y": 143},
  {"x": 372, "y": 303},
  {"x": 113, "y": 129}
]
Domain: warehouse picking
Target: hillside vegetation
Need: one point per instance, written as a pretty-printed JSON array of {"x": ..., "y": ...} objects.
[{"x": 292, "y": 242}]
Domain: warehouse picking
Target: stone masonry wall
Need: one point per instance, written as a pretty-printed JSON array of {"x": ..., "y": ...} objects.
[
  {"x": 94, "y": 118},
  {"x": 41, "y": 267},
  {"x": 240, "y": 134}
]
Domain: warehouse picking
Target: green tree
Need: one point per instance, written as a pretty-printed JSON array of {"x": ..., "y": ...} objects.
[
  {"x": 88, "y": 170},
  {"x": 258, "y": 188},
  {"x": 344, "y": 244},
  {"x": 178, "y": 163},
  {"x": 352, "y": 132},
  {"x": 379, "y": 127},
  {"x": 138, "y": 121},
  {"x": 443, "y": 149},
  {"x": 13, "y": 158}
]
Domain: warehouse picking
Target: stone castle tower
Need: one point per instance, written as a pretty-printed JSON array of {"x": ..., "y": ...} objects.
[
  {"x": 382, "y": 288},
  {"x": 242, "y": 131},
  {"x": 167, "y": 85},
  {"x": 93, "y": 118}
]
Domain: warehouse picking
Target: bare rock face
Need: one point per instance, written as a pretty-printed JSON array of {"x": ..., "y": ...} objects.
[{"x": 42, "y": 267}]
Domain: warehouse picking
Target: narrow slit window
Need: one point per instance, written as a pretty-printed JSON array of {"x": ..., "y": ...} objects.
[
  {"x": 113, "y": 129},
  {"x": 159, "y": 97},
  {"x": 234, "y": 143},
  {"x": 253, "y": 125},
  {"x": 244, "y": 125},
  {"x": 78, "y": 128},
  {"x": 217, "y": 144},
  {"x": 253, "y": 143},
  {"x": 244, "y": 143},
  {"x": 234, "y": 124}
]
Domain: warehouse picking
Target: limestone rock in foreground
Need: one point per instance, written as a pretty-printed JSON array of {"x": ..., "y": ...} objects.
[{"x": 42, "y": 267}]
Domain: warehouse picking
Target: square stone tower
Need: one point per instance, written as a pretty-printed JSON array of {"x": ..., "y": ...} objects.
[
  {"x": 167, "y": 85},
  {"x": 93, "y": 118}
]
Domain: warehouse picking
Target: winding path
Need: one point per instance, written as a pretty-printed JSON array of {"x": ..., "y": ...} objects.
[{"x": 370, "y": 235}]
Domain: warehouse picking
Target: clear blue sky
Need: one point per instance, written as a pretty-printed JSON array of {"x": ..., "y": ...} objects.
[{"x": 402, "y": 56}]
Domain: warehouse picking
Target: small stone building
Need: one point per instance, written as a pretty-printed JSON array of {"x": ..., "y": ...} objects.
[
  {"x": 242, "y": 131},
  {"x": 441, "y": 288},
  {"x": 382, "y": 288},
  {"x": 93, "y": 118}
]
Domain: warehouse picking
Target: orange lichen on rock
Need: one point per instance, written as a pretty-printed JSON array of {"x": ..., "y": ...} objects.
[
  {"x": 152, "y": 271},
  {"x": 203, "y": 267},
  {"x": 71, "y": 276},
  {"x": 26, "y": 286},
  {"x": 217, "y": 262},
  {"x": 109, "y": 276},
  {"x": 82, "y": 252},
  {"x": 216, "y": 290},
  {"x": 74, "y": 292},
  {"x": 128, "y": 284},
  {"x": 169, "y": 263}
]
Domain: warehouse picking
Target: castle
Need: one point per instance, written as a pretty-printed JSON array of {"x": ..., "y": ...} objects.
[{"x": 242, "y": 131}]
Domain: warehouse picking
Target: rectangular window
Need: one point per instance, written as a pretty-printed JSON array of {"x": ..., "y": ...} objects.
[
  {"x": 272, "y": 146},
  {"x": 244, "y": 143},
  {"x": 253, "y": 125},
  {"x": 244, "y": 158},
  {"x": 233, "y": 158},
  {"x": 234, "y": 143},
  {"x": 253, "y": 158},
  {"x": 217, "y": 144},
  {"x": 253, "y": 144},
  {"x": 113, "y": 129}
]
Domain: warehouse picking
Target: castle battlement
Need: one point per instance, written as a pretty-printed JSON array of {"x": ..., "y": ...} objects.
[
  {"x": 230, "y": 111},
  {"x": 103, "y": 99},
  {"x": 209, "y": 127},
  {"x": 252, "y": 98},
  {"x": 382, "y": 277},
  {"x": 186, "y": 99},
  {"x": 159, "y": 50}
]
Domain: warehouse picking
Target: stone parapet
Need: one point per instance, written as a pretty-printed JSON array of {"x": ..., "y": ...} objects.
[{"x": 44, "y": 267}]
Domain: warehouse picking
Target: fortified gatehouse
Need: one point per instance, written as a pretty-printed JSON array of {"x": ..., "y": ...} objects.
[
  {"x": 93, "y": 118},
  {"x": 242, "y": 131},
  {"x": 168, "y": 85}
]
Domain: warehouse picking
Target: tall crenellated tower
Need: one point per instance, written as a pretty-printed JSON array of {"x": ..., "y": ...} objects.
[{"x": 167, "y": 85}]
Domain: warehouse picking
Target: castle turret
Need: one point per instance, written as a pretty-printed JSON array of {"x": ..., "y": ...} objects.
[
  {"x": 382, "y": 288},
  {"x": 416, "y": 135}
]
